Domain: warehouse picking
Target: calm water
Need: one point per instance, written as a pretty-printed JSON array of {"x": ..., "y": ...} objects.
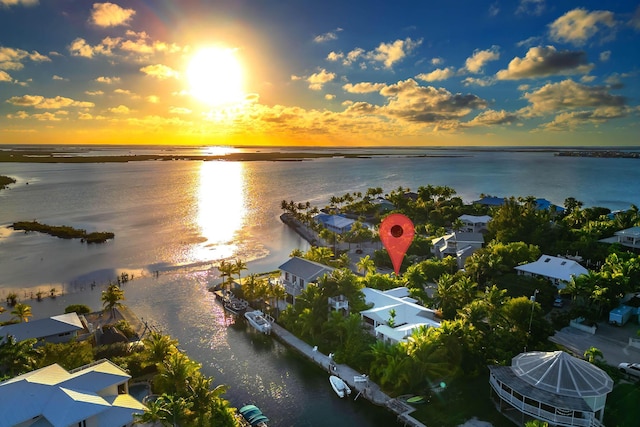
[{"x": 180, "y": 217}]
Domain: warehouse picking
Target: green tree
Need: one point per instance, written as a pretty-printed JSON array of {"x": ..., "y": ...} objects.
[
  {"x": 174, "y": 375},
  {"x": 366, "y": 265},
  {"x": 18, "y": 357},
  {"x": 21, "y": 312},
  {"x": 111, "y": 298},
  {"x": 77, "y": 308},
  {"x": 157, "y": 347},
  {"x": 69, "y": 355},
  {"x": 593, "y": 354},
  {"x": 239, "y": 267}
]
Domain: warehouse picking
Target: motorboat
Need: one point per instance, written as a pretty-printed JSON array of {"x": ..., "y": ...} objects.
[
  {"x": 339, "y": 386},
  {"x": 259, "y": 320},
  {"x": 253, "y": 415}
]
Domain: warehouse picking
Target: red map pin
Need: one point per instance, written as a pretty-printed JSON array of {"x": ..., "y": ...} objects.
[{"x": 396, "y": 233}]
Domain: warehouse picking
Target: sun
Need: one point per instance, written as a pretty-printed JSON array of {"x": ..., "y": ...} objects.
[{"x": 215, "y": 76}]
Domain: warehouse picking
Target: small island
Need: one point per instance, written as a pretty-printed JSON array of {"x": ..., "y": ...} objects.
[{"x": 63, "y": 231}]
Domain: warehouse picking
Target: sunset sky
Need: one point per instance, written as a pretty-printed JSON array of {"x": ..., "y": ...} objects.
[{"x": 297, "y": 72}]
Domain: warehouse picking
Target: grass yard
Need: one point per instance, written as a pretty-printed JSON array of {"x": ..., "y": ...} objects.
[{"x": 623, "y": 406}]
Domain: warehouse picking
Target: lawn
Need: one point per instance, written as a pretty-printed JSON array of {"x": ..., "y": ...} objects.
[{"x": 623, "y": 409}]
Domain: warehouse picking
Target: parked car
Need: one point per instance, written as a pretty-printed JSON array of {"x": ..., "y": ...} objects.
[
  {"x": 558, "y": 302},
  {"x": 631, "y": 369}
]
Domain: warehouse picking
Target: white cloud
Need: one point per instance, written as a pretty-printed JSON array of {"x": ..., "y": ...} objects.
[
  {"x": 390, "y": 53},
  {"x": 9, "y": 3},
  {"x": 12, "y": 59},
  {"x": 37, "y": 101},
  {"x": 579, "y": 25},
  {"x": 605, "y": 56},
  {"x": 110, "y": 15},
  {"x": 5, "y": 77},
  {"x": 492, "y": 118},
  {"x": 107, "y": 80},
  {"x": 329, "y": 36},
  {"x": 335, "y": 56},
  {"x": 329, "y": 97},
  {"x": 56, "y": 77},
  {"x": 159, "y": 71},
  {"x": 438, "y": 74},
  {"x": 530, "y": 7},
  {"x": 483, "y": 82},
  {"x": 318, "y": 80},
  {"x": 94, "y": 92},
  {"x": 437, "y": 61},
  {"x": 363, "y": 87},
  {"x": 476, "y": 62},
  {"x": 120, "y": 109},
  {"x": 567, "y": 95},
  {"x": 546, "y": 61}
]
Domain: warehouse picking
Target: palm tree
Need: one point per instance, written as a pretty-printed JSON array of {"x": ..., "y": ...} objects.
[
  {"x": 12, "y": 298},
  {"x": 366, "y": 265},
  {"x": 593, "y": 354},
  {"x": 175, "y": 374},
  {"x": 18, "y": 357},
  {"x": 157, "y": 347},
  {"x": 111, "y": 298},
  {"x": 238, "y": 267},
  {"x": 21, "y": 312},
  {"x": 227, "y": 269}
]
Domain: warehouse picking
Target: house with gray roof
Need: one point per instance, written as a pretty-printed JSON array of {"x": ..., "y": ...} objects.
[
  {"x": 559, "y": 271},
  {"x": 56, "y": 329},
  {"x": 336, "y": 223},
  {"x": 474, "y": 223},
  {"x": 458, "y": 244},
  {"x": 297, "y": 273},
  {"x": 629, "y": 237},
  {"x": 92, "y": 395}
]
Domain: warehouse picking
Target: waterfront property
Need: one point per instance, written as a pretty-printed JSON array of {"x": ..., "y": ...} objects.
[
  {"x": 629, "y": 237},
  {"x": 92, "y": 395},
  {"x": 474, "y": 223},
  {"x": 553, "y": 387},
  {"x": 395, "y": 315},
  {"x": 336, "y": 223},
  {"x": 559, "y": 271},
  {"x": 55, "y": 329},
  {"x": 297, "y": 273},
  {"x": 457, "y": 244}
]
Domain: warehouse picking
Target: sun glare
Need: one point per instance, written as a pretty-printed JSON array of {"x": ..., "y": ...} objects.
[{"x": 215, "y": 76}]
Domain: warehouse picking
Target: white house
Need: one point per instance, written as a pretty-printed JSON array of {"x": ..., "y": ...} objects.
[
  {"x": 629, "y": 237},
  {"x": 459, "y": 245},
  {"x": 297, "y": 273},
  {"x": 94, "y": 395},
  {"x": 474, "y": 223},
  {"x": 409, "y": 316},
  {"x": 336, "y": 223},
  {"x": 56, "y": 329},
  {"x": 558, "y": 270}
]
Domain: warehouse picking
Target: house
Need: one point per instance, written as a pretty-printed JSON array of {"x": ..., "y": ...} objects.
[
  {"x": 629, "y": 237},
  {"x": 336, "y": 223},
  {"x": 558, "y": 270},
  {"x": 297, "y": 273},
  {"x": 490, "y": 201},
  {"x": 459, "y": 245},
  {"x": 394, "y": 315},
  {"x": 474, "y": 223},
  {"x": 552, "y": 387},
  {"x": 56, "y": 329},
  {"x": 90, "y": 396}
]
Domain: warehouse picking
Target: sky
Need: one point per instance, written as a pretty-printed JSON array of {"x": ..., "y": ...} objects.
[{"x": 328, "y": 73}]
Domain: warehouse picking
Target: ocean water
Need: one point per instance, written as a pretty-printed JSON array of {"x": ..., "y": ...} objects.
[{"x": 179, "y": 218}]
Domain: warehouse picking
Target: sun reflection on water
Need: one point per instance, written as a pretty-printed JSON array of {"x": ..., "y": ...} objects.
[{"x": 221, "y": 209}]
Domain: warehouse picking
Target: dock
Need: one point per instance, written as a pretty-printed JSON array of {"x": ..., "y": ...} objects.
[{"x": 358, "y": 382}]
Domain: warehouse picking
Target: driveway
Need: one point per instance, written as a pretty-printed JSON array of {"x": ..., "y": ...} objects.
[{"x": 612, "y": 341}]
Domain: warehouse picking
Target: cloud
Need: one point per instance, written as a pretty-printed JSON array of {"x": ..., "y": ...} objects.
[
  {"x": 180, "y": 110},
  {"x": 318, "y": 80},
  {"x": 120, "y": 109},
  {"x": 530, "y": 7},
  {"x": 335, "y": 56},
  {"x": 390, "y": 53},
  {"x": 107, "y": 80},
  {"x": 80, "y": 47},
  {"x": 329, "y": 97},
  {"x": 331, "y": 35},
  {"x": 363, "y": 87},
  {"x": 57, "y": 77},
  {"x": 574, "y": 119},
  {"x": 110, "y": 15},
  {"x": 5, "y": 77},
  {"x": 479, "y": 58},
  {"x": 546, "y": 61},
  {"x": 579, "y": 25},
  {"x": 567, "y": 95},
  {"x": 159, "y": 71},
  {"x": 153, "y": 99},
  {"x": 492, "y": 118},
  {"x": 37, "y": 101},
  {"x": 94, "y": 92},
  {"x": 483, "y": 82},
  {"x": 529, "y": 42},
  {"x": 414, "y": 103},
  {"x": 438, "y": 74},
  {"x": 437, "y": 61},
  {"x": 605, "y": 56},
  {"x": 11, "y": 59},
  {"x": 9, "y": 3},
  {"x": 494, "y": 9}
]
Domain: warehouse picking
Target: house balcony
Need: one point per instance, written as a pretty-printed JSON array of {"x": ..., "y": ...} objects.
[
  {"x": 339, "y": 303},
  {"x": 291, "y": 289}
]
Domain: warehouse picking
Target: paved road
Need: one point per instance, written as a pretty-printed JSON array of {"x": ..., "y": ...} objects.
[{"x": 612, "y": 341}]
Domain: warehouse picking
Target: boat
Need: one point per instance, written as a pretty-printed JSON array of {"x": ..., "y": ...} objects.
[
  {"x": 416, "y": 400},
  {"x": 231, "y": 303},
  {"x": 253, "y": 415},
  {"x": 259, "y": 321},
  {"x": 339, "y": 386}
]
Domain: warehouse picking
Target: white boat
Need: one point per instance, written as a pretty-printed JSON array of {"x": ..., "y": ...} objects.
[
  {"x": 259, "y": 320},
  {"x": 339, "y": 386}
]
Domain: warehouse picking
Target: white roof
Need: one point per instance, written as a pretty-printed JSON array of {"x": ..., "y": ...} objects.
[
  {"x": 632, "y": 232},
  {"x": 41, "y": 328},
  {"x": 475, "y": 218},
  {"x": 409, "y": 315},
  {"x": 554, "y": 267},
  {"x": 64, "y": 398},
  {"x": 560, "y": 373}
]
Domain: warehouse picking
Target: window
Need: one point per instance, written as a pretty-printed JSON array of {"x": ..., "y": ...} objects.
[
  {"x": 563, "y": 262},
  {"x": 286, "y": 276}
]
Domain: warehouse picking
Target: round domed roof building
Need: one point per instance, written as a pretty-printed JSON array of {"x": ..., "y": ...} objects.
[{"x": 550, "y": 386}]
